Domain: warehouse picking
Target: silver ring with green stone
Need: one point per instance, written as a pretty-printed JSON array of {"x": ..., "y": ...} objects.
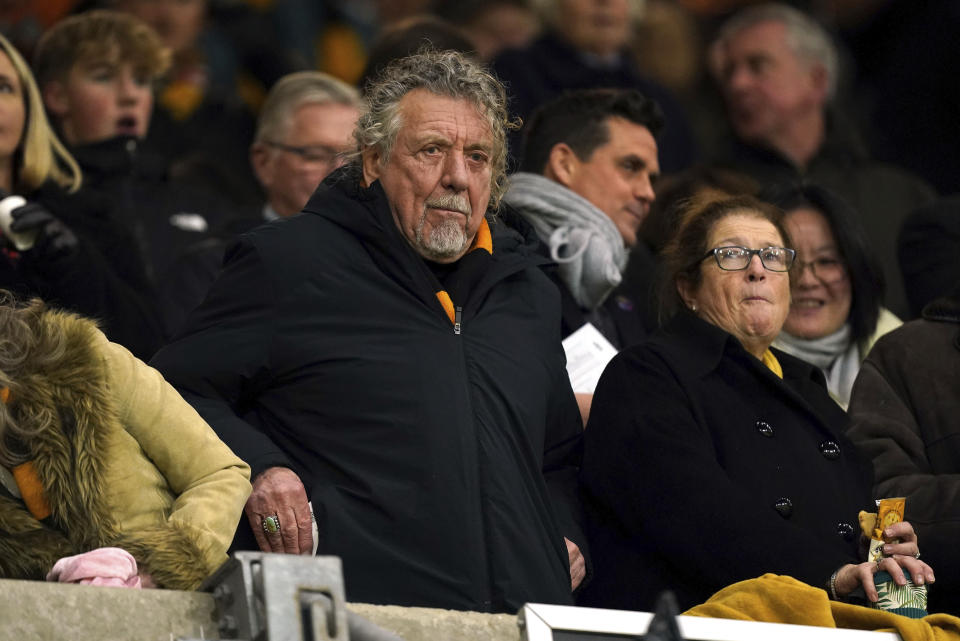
[{"x": 271, "y": 524}]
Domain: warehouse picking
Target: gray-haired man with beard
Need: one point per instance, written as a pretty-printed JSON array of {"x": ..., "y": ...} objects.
[{"x": 391, "y": 355}]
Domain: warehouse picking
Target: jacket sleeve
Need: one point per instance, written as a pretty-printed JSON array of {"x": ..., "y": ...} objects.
[
  {"x": 650, "y": 464},
  {"x": 887, "y": 398},
  {"x": 219, "y": 362},
  {"x": 209, "y": 482},
  {"x": 563, "y": 452}
]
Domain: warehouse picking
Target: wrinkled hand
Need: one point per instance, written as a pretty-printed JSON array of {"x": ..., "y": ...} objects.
[
  {"x": 578, "y": 567},
  {"x": 279, "y": 491},
  {"x": 900, "y": 557},
  {"x": 54, "y": 238}
]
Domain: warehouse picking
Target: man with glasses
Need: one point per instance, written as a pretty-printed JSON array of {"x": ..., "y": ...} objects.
[{"x": 303, "y": 133}]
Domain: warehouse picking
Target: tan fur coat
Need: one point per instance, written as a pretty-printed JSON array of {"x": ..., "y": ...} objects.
[{"x": 124, "y": 461}]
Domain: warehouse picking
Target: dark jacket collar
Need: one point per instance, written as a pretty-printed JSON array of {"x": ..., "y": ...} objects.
[
  {"x": 554, "y": 47},
  {"x": 118, "y": 156},
  {"x": 840, "y": 145},
  {"x": 704, "y": 345},
  {"x": 945, "y": 309},
  {"x": 365, "y": 212}
]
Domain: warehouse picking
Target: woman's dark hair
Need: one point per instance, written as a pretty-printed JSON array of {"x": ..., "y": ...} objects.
[
  {"x": 678, "y": 192},
  {"x": 684, "y": 254},
  {"x": 867, "y": 284}
]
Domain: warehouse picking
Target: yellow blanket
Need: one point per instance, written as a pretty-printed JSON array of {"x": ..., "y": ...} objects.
[{"x": 783, "y": 599}]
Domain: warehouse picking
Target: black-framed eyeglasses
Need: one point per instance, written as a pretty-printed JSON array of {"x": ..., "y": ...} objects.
[
  {"x": 319, "y": 154},
  {"x": 734, "y": 258},
  {"x": 827, "y": 270}
]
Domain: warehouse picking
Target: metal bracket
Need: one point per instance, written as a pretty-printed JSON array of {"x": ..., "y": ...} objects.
[
  {"x": 269, "y": 597},
  {"x": 282, "y": 597}
]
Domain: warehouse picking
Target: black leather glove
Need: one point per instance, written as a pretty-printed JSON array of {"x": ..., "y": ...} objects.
[{"x": 54, "y": 239}]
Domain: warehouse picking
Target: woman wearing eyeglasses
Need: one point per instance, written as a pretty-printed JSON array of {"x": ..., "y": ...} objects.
[
  {"x": 837, "y": 287},
  {"x": 712, "y": 458}
]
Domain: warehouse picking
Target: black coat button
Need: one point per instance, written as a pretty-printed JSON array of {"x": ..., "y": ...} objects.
[
  {"x": 784, "y": 506},
  {"x": 765, "y": 428},
  {"x": 845, "y": 530},
  {"x": 830, "y": 450}
]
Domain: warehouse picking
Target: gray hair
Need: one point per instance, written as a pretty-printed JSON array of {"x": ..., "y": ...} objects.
[
  {"x": 444, "y": 73},
  {"x": 295, "y": 90},
  {"x": 805, "y": 36}
]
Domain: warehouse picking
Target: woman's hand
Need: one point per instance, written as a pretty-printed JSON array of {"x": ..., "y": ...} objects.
[{"x": 900, "y": 559}]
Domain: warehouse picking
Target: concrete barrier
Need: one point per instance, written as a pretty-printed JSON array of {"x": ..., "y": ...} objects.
[{"x": 37, "y": 611}]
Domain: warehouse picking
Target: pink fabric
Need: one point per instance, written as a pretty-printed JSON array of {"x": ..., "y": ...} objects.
[{"x": 104, "y": 566}]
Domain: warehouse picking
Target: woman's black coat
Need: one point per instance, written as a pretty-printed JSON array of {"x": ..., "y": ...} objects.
[{"x": 703, "y": 468}]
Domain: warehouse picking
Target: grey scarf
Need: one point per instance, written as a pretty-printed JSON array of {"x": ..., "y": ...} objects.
[
  {"x": 583, "y": 241},
  {"x": 835, "y": 354}
]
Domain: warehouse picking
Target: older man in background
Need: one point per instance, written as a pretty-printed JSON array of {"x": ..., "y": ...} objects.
[
  {"x": 778, "y": 71},
  {"x": 304, "y": 132},
  {"x": 391, "y": 358}
]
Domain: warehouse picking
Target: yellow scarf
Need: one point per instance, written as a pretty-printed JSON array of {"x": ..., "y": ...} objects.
[
  {"x": 771, "y": 361},
  {"x": 483, "y": 240}
]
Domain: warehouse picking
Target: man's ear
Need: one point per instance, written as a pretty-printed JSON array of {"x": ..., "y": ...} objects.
[
  {"x": 820, "y": 80},
  {"x": 260, "y": 162},
  {"x": 562, "y": 164},
  {"x": 371, "y": 165},
  {"x": 55, "y": 98}
]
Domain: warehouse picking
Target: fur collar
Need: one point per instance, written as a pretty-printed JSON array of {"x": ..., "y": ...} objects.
[{"x": 69, "y": 404}]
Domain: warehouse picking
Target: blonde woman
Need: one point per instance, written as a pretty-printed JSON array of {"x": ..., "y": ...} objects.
[{"x": 73, "y": 254}]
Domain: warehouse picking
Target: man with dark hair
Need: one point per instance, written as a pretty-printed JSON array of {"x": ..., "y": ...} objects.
[
  {"x": 588, "y": 169},
  {"x": 391, "y": 357}
]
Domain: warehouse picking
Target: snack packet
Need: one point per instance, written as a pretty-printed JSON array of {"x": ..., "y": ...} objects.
[
  {"x": 909, "y": 600},
  {"x": 889, "y": 511}
]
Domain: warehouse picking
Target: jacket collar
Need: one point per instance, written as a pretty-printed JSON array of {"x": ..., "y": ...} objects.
[
  {"x": 945, "y": 309},
  {"x": 704, "y": 346},
  {"x": 840, "y": 145},
  {"x": 119, "y": 156},
  {"x": 69, "y": 402},
  {"x": 365, "y": 212}
]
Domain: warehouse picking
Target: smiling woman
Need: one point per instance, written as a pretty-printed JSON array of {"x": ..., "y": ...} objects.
[
  {"x": 836, "y": 314},
  {"x": 711, "y": 458}
]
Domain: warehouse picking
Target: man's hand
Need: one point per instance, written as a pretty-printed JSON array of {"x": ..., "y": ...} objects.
[
  {"x": 279, "y": 492},
  {"x": 578, "y": 567}
]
